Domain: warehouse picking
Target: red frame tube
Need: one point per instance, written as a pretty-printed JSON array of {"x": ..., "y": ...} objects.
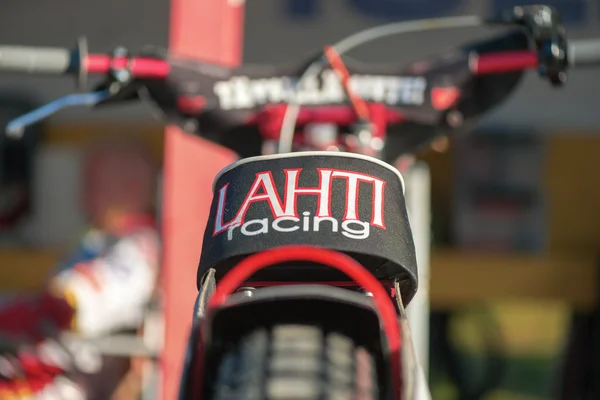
[{"x": 346, "y": 264}]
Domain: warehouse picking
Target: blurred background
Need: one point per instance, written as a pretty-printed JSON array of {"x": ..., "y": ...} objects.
[{"x": 515, "y": 205}]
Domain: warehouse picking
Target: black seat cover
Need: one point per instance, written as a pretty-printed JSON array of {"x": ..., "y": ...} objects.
[{"x": 340, "y": 201}]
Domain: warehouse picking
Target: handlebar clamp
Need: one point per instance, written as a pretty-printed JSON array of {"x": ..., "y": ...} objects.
[
  {"x": 544, "y": 25},
  {"x": 122, "y": 75}
]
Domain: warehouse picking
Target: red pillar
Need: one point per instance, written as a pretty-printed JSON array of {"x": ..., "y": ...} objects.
[{"x": 208, "y": 30}]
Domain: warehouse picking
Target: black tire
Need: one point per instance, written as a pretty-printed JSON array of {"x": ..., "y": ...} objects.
[{"x": 295, "y": 362}]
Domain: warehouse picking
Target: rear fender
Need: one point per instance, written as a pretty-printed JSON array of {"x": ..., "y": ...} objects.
[
  {"x": 224, "y": 315},
  {"x": 354, "y": 314},
  {"x": 329, "y": 307}
]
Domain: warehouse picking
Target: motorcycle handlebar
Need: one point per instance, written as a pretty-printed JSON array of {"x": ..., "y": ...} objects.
[
  {"x": 580, "y": 53},
  {"x": 61, "y": 61},
  {"x": 57, "y": 61}
]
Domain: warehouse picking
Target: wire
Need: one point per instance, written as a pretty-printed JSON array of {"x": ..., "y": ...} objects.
[
  {"x": 360, "y": 107},
  {"x": 290, "y": 117}
]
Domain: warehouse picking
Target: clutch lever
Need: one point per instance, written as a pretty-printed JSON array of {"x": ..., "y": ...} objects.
[
  {"x": 16, "y": 127},
  {"x": 545, "y": 27}
]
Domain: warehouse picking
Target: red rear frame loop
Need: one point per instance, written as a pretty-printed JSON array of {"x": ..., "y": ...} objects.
[{"x": 350, "y": 267}]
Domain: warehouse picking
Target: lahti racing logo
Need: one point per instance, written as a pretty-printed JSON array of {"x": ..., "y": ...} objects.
[{"x": 286, "y": 216}]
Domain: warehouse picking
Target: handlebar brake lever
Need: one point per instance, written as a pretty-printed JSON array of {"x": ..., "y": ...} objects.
[
  {"x": 544, "y": 25},
  {"x": 16, "y": 127}
]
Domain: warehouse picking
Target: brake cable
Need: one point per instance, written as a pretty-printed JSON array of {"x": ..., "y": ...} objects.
[
  {"x": 290, "y": 117},
  {"x": 337, "y": 64},
  {"x": 364, "y": 123}
]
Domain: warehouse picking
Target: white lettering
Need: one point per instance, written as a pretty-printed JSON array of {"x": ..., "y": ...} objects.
[
  {"x": 322, "y": 191},
  {"x": 333, "y": 91},
  {"x": 353, "y": 180},
  {"x": 307, "y": 224},
  {"x": 241, "y": 92},
  {"x": 219, "y": 225},
  {"x": 309, "y": 92},
  {"x": 230, "y": 231},
  {"x": 354, "y": 233},
  {"x": 334, "y": 223},
  {"x": 263, "y": 189},
  {"x": 306, "y": 221},
  {"x": 263, "y": 180},
  {"x": 276, "y": 224},
  {"x": 225, "y": 94},
  {"x": 264, "y": 223}
]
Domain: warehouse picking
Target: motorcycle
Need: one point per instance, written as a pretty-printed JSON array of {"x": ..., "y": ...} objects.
[{"x": 308, "y": 260}]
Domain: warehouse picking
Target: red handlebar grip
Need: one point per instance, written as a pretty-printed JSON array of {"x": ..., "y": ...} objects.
[
  {"x": 508, "y": 61},
  {"x": 140, "y": 67}
]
